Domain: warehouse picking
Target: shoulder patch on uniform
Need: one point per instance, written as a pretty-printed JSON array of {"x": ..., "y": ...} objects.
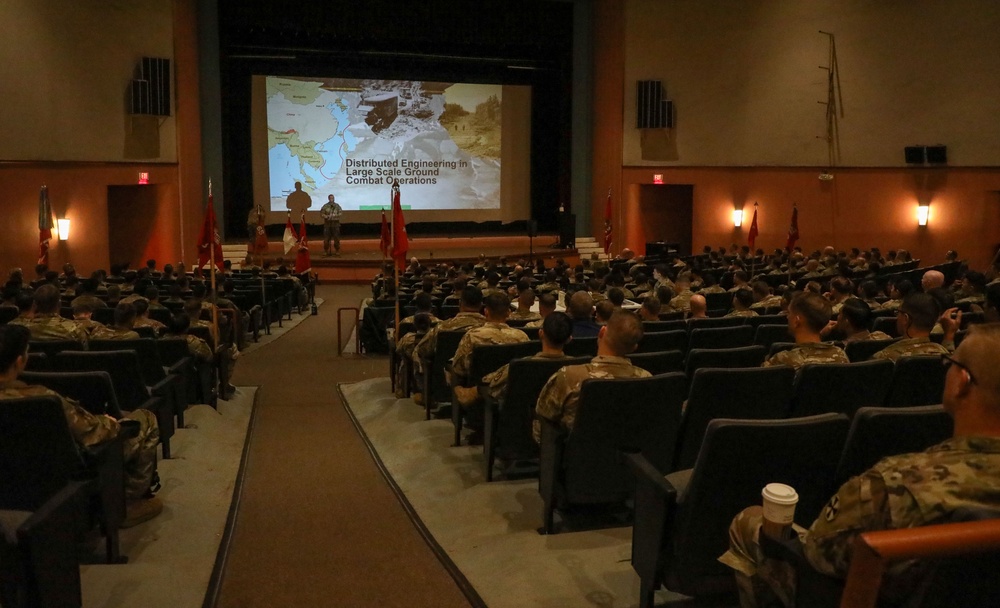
[{"x": 832, "y": 508}]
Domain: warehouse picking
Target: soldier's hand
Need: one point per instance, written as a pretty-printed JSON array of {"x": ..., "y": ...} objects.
[{"x": 951, "y": 321}]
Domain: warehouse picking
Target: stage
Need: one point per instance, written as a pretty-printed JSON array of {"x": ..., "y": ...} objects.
[{"x": 360, "y": 259}]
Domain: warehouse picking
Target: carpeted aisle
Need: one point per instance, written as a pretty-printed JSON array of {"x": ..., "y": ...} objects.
[{"x": 317, "y": 524}]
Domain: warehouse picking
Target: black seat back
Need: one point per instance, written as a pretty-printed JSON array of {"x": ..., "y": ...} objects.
[
  {"x": 885, "y": 325},
  {"x": 659, "y": 363},
  {"x": 877, "y": 432},
  {"x": 659, "y": 341},
  {"x": 491, "y": 357},
  {"x": 840, "y": 387},
  {"x": 800, "y": 452},
  {"x": 722, "y": 301},
  {"x": 766, "y": 320},
  {"x": 447, "y": 344},
  {"x": 621, "y": 414},
  {"x": 121, "y": 365},
  {"x": 766, "y": 335},
  {"x": 93, "y": 390},
  {"x": 761, "y": 393},
  {"x": 917, "y": 380},
  {"x": 862, "y": 350},
  {"x": 53, "y": 347},
  {"x": 713, "y": 323},
  {"x": 720, "y": 337},
  {"x": 145, "y": 348},
  {"x": 744, "y": 356},
  {"x": 658, "y": 326},
  {"x": 581, "y": 347}
]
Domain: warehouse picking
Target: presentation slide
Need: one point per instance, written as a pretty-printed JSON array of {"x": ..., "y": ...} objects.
[{"x": 352, "y": 138}]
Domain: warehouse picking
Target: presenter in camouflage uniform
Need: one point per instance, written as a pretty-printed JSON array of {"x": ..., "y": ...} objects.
[
  {"x": 331, "y": 212},
  {"x": 906, "y": 491},
  {"x": 91, "y": 430},
  {"x": 808, "y": 315},
  {"x": 560, "y": 397}
]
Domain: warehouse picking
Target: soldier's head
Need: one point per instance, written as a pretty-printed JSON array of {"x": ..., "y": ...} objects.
[
  {"x": 917, "y": 315},
  {"x": 546, "y": 304},
  {"x": 808, "y": 314},
  {"x": 972, "y": 384},
  {"x": 991, "y": 307},
  {"x": 421, "y": 322},
  {"x": 331, "y": 199},
  {"x": 932, "y": 279},
  {"x": 423, "y": 302},
  {"x": 124, "y": 315},
  {"x": 742, "y": 299},
  {"x": 650, "y": 310},
  {"x": 854, "y": 316},
  {"x": 471, "y": 300},
  {"x": 192, "y": 307},
  {"x": 180, "y": 323},
  {"x": 497, "y": 307},
  {"x": 603, "y": 311},
  {"x": 616, "y": 296},
  {"x": 141, "y": 307},
  {"x": 698, "y": 306},
  {"x": 13, "y": 349},
  {"x": 525, "y": 299},
  {"x": 621, "y": 335},
  {"x": 581, "y": 306},
  {"x": 47, "y": 299},
  {"x": 83, "y": 310},
  {"x": 556, "y": 330}
]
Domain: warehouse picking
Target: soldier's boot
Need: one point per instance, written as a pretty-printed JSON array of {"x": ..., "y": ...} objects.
[
  {"x": 466, "y": 395},
  {"x": 141, "y": 510}
]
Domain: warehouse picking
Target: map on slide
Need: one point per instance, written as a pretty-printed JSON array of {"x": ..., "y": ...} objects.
[{"x": 353, "y": 138}]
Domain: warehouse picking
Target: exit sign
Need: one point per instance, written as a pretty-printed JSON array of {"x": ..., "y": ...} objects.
[
  {"x": 143, "y": 178},
  {"x": 657, "y": 178}
]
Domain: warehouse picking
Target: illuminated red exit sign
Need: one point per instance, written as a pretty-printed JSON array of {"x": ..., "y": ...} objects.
[
  {"x": 143, "y": 178},
  {"x": 657, "y": 178}
]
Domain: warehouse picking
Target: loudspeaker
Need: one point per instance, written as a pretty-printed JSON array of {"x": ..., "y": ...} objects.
[
  {"x": 914, "y": 155},
  {"x": 532, "y": 228},
  {"x": 651, "y": 110},
  {"x": 150, "y": 93},
  {"x": 567, "y": 230},
  {"x": 937, "y": 155}
]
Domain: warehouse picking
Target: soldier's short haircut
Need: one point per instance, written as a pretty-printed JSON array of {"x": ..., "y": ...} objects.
[
  {"x": 664, "y": 293},
  {"x": 151, "y": 293},
  {"x": 523, "y": 284},
  {"x": 814, "y": 308},
  {"x": 741, "y": 275},
  {"x": 856, "y": 312},
  {"x": 497, "y": 304},
  {"x": 580, "y": 306},
  {"x": 527, "y": 296},
  {"x": 904, "y": 287},
  {"x": 558, "y": 328},
  {"x": 603, "y": 310},
  {"x": 652, "y": 305},
  {"x": 547, "y": 301},
  {"x": 842, "y": 285},
  {"x": 744, "y": 297},
  {"x": 24, "y": 300},
  {"x": 623, "y": 332},
  {"x": 124, "y": 314},
  {"x": 616, "y": 296},
  {"x": 421, "y": 322},
  {"x": 13, "y": 343},
  {"x": 472, "y": 298},
  {"x": 976, "y": 279},
  {"x": 141, "y": 306},
  {"x": 47, "y": 299},
  {"x": 922, "y": 309},
  {"x": 868, "y": 289},
  {"x": 180, "y": 323},
  {"x": 423, "y": 301},
  {"x": 192, "y": 307},
  {"x": 82, "y": 307}
]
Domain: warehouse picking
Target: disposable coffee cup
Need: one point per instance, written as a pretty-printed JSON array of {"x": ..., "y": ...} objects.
[{"x": 779, "y": 508}]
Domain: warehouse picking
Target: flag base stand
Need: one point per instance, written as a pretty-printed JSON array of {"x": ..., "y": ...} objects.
[{"x": 314, "y": 309}]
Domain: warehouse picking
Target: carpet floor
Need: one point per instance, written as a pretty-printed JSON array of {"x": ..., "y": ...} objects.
[{"x": 317, "y": 524}]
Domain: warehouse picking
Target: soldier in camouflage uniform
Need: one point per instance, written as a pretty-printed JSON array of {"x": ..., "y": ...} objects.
[
  {"x": 853, "y": 321},
  {"x": 142, "y": 317},
  {"x": 494, "y": 331},
  {"x": 762, "y": 296},
  {"x": 560, "y": 397},
  {"x": 82, "y": 312},
  {"x": 546, "y": 306},
  {"x": 916, "y": 317},
  {"x": 46, "y": 324},
  {"x": 525, "y": 300},
  {"x": 808, "y": 315},
  {"x": 122, "y": 329},
  {"x": 424, "y": 303},
  {"x": 554, "y": 334},
  {"x": 468, "y": 317},
  {"x": 682, "y": 298},
  {"x": 742, "y": 300},
  {"x": 88, "y": 429},
  {"x": 910, "y": 490}
]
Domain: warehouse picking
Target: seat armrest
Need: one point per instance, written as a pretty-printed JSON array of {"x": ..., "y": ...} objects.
[
  {"x": 72, "y": 496},
  {"x": 645, "y": 472}
]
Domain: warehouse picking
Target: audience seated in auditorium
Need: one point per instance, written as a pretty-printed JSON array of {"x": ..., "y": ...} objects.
[
  {"x": 852, "y": 323},
  {"x": 467, "y": 318},
  {"x": 682, "y": 295},
  {"x": 560, "y": 397},
  {"x": 122, "y": 327},
  {"x": 650, "y": 309},
  {"x": 46, "y": 324},
  {"x": 90, "y": 430},
  {"x": 581, "y": 309},
  {"x": 697, "y": 307},
  {"x": 808, "y": 315},
  {"x": 742, "y": 300},
  {"x": 910, "y": 490},
  {"x": 555, "y": 332},
  {"x": 495, "y": 330}
]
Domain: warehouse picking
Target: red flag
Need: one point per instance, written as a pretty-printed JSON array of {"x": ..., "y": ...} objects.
[
  {"x": 209, "y": 238},
  {"x": 752, "y": 236},
  {"x": 44, "y": 225},
  {"x": 260, "y": 238},
  {"x": 607, "y": 225},
  {"x": 290, "y": 238},
  {"x": 386, "y": 238},
  {"x": 303, "y": 263},
  {"x": 400, "y": 242},
  {"x": 793, "y": 230}
]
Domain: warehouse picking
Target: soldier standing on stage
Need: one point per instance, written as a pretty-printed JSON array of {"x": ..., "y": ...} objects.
[{"x": 331, "y": 212}]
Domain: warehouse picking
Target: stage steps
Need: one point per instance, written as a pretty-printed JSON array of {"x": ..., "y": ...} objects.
[
  {"x": 235, "y": 253},
  {"x": 587, "y": 245}
]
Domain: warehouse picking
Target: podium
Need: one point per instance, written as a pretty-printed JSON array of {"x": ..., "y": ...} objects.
[{"x": 567, "y": 230}]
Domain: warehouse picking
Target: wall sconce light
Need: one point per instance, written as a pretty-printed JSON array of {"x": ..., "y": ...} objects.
[
  {"x": 62, "y": 225},
  {"x": 923, "y": 213},
  {"x": 737, "y": 218}
]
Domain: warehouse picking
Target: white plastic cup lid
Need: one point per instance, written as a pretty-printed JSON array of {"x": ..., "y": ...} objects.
[{"x": 780, "y": 494}]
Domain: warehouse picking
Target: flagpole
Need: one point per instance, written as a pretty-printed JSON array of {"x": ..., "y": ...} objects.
[
  {"x": 753, "y": 254},
  {"x": 395, "y": 266},
  {"x": 211, "y": 261}
]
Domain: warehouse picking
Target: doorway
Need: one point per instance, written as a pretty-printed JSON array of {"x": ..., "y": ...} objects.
[
  {"x": 666, "y": 214},
  {"x": 132, "y": 212}
]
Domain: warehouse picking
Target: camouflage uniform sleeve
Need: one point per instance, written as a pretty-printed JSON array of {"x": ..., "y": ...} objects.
[
  {"x": 425, "y": 349},
  {"x": 860, "y": 505},
  {"x": 460, "y": 364},
  {"x": 87, "y": 429},
  {"x": 497, "y": 382},
  {"x": 550, "y": 401},
  {"x": 200, "y": 349},
  {"x": 776, "y": 359}
]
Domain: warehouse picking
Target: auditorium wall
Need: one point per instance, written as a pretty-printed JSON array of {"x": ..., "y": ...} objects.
[
  {"x": 745, "y": 82},
  {"x": 84, "y": 149}
]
